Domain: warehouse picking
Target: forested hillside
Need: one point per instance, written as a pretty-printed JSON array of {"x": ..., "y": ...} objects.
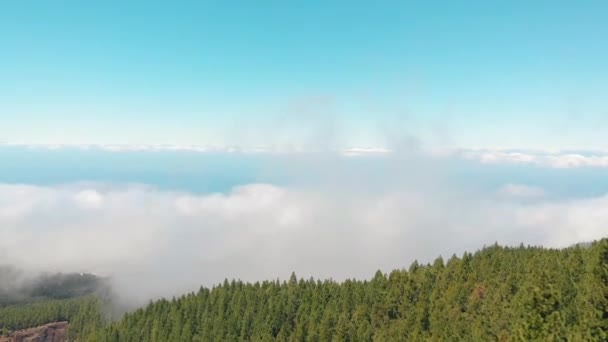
[
  {"x": 17, "y": 288},
  {"x": 495, "y": 294},
  {"x": 27, "y": 301},
  {"x": 85, "y": 315}
]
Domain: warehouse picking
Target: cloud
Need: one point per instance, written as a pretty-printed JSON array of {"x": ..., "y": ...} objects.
[
  {"x": 545, "y": 159},
  {"x": 89, "y": 199},
  {"x": 558, "y": 160},
  {"x": 154, "y": 242},
  {"x": 522, "y": 191},
  {"x": 350, "y": 151},
  {"x": 361, "y": 151}
]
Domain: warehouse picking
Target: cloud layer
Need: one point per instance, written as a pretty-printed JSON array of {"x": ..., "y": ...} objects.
[
  {"x": 546, "y": 159},
  {"x": 557, "y": 160},
  {"x": 156, "y": 242}
]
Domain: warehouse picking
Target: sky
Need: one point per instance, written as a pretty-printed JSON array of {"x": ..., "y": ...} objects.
[
  {"x": 468, "y": 74},
  {"x": 169, "y": 145}
]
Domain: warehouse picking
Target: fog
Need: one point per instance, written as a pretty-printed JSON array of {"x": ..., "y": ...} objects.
[{"x": 340, "y": 221}]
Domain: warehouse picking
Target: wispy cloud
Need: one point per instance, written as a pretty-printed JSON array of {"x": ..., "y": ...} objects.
[
  {"x": 522, "y": 191},
  {"x": 548, "y": 159},
  {"x": 560, "y": 160},
  {"x": 350, "y": 151}
]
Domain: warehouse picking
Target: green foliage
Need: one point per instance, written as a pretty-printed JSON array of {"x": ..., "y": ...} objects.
[
  {"x": 498, "y": 293},
  {"x": 17, "y": 288},
  {"x": 84, "y": 315},
  {"x": 495, "y": 294}
]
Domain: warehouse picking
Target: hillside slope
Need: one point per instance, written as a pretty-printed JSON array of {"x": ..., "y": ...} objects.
[
  {"x": 495, "y": 294},
  {"x": 17, "y": 288},
  {"x": 51, "y": 332}
]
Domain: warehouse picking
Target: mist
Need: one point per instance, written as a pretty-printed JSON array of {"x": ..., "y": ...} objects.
[{"x": 342, "y": 219}]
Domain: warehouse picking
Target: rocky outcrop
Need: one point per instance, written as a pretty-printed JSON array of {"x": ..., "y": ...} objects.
[{"x": 52, "y": 332}]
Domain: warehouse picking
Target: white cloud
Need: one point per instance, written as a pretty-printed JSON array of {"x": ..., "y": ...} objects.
[
  {"x": 522, "y": 191},
  {"x": 161, "y": 242},
  {"x": 350, "y": 152},
  {"x": 89, "y": 199},
  {"x": 558, "y": 160},
  {"x": 547, "y": 159},
  {"x": 359, "y": 151}
]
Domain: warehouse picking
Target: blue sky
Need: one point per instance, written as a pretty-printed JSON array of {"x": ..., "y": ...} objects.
[{"x": 514, "y": 74}]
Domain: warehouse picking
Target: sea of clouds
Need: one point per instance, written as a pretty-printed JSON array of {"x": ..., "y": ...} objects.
[{"x": 340, "y": 221}]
